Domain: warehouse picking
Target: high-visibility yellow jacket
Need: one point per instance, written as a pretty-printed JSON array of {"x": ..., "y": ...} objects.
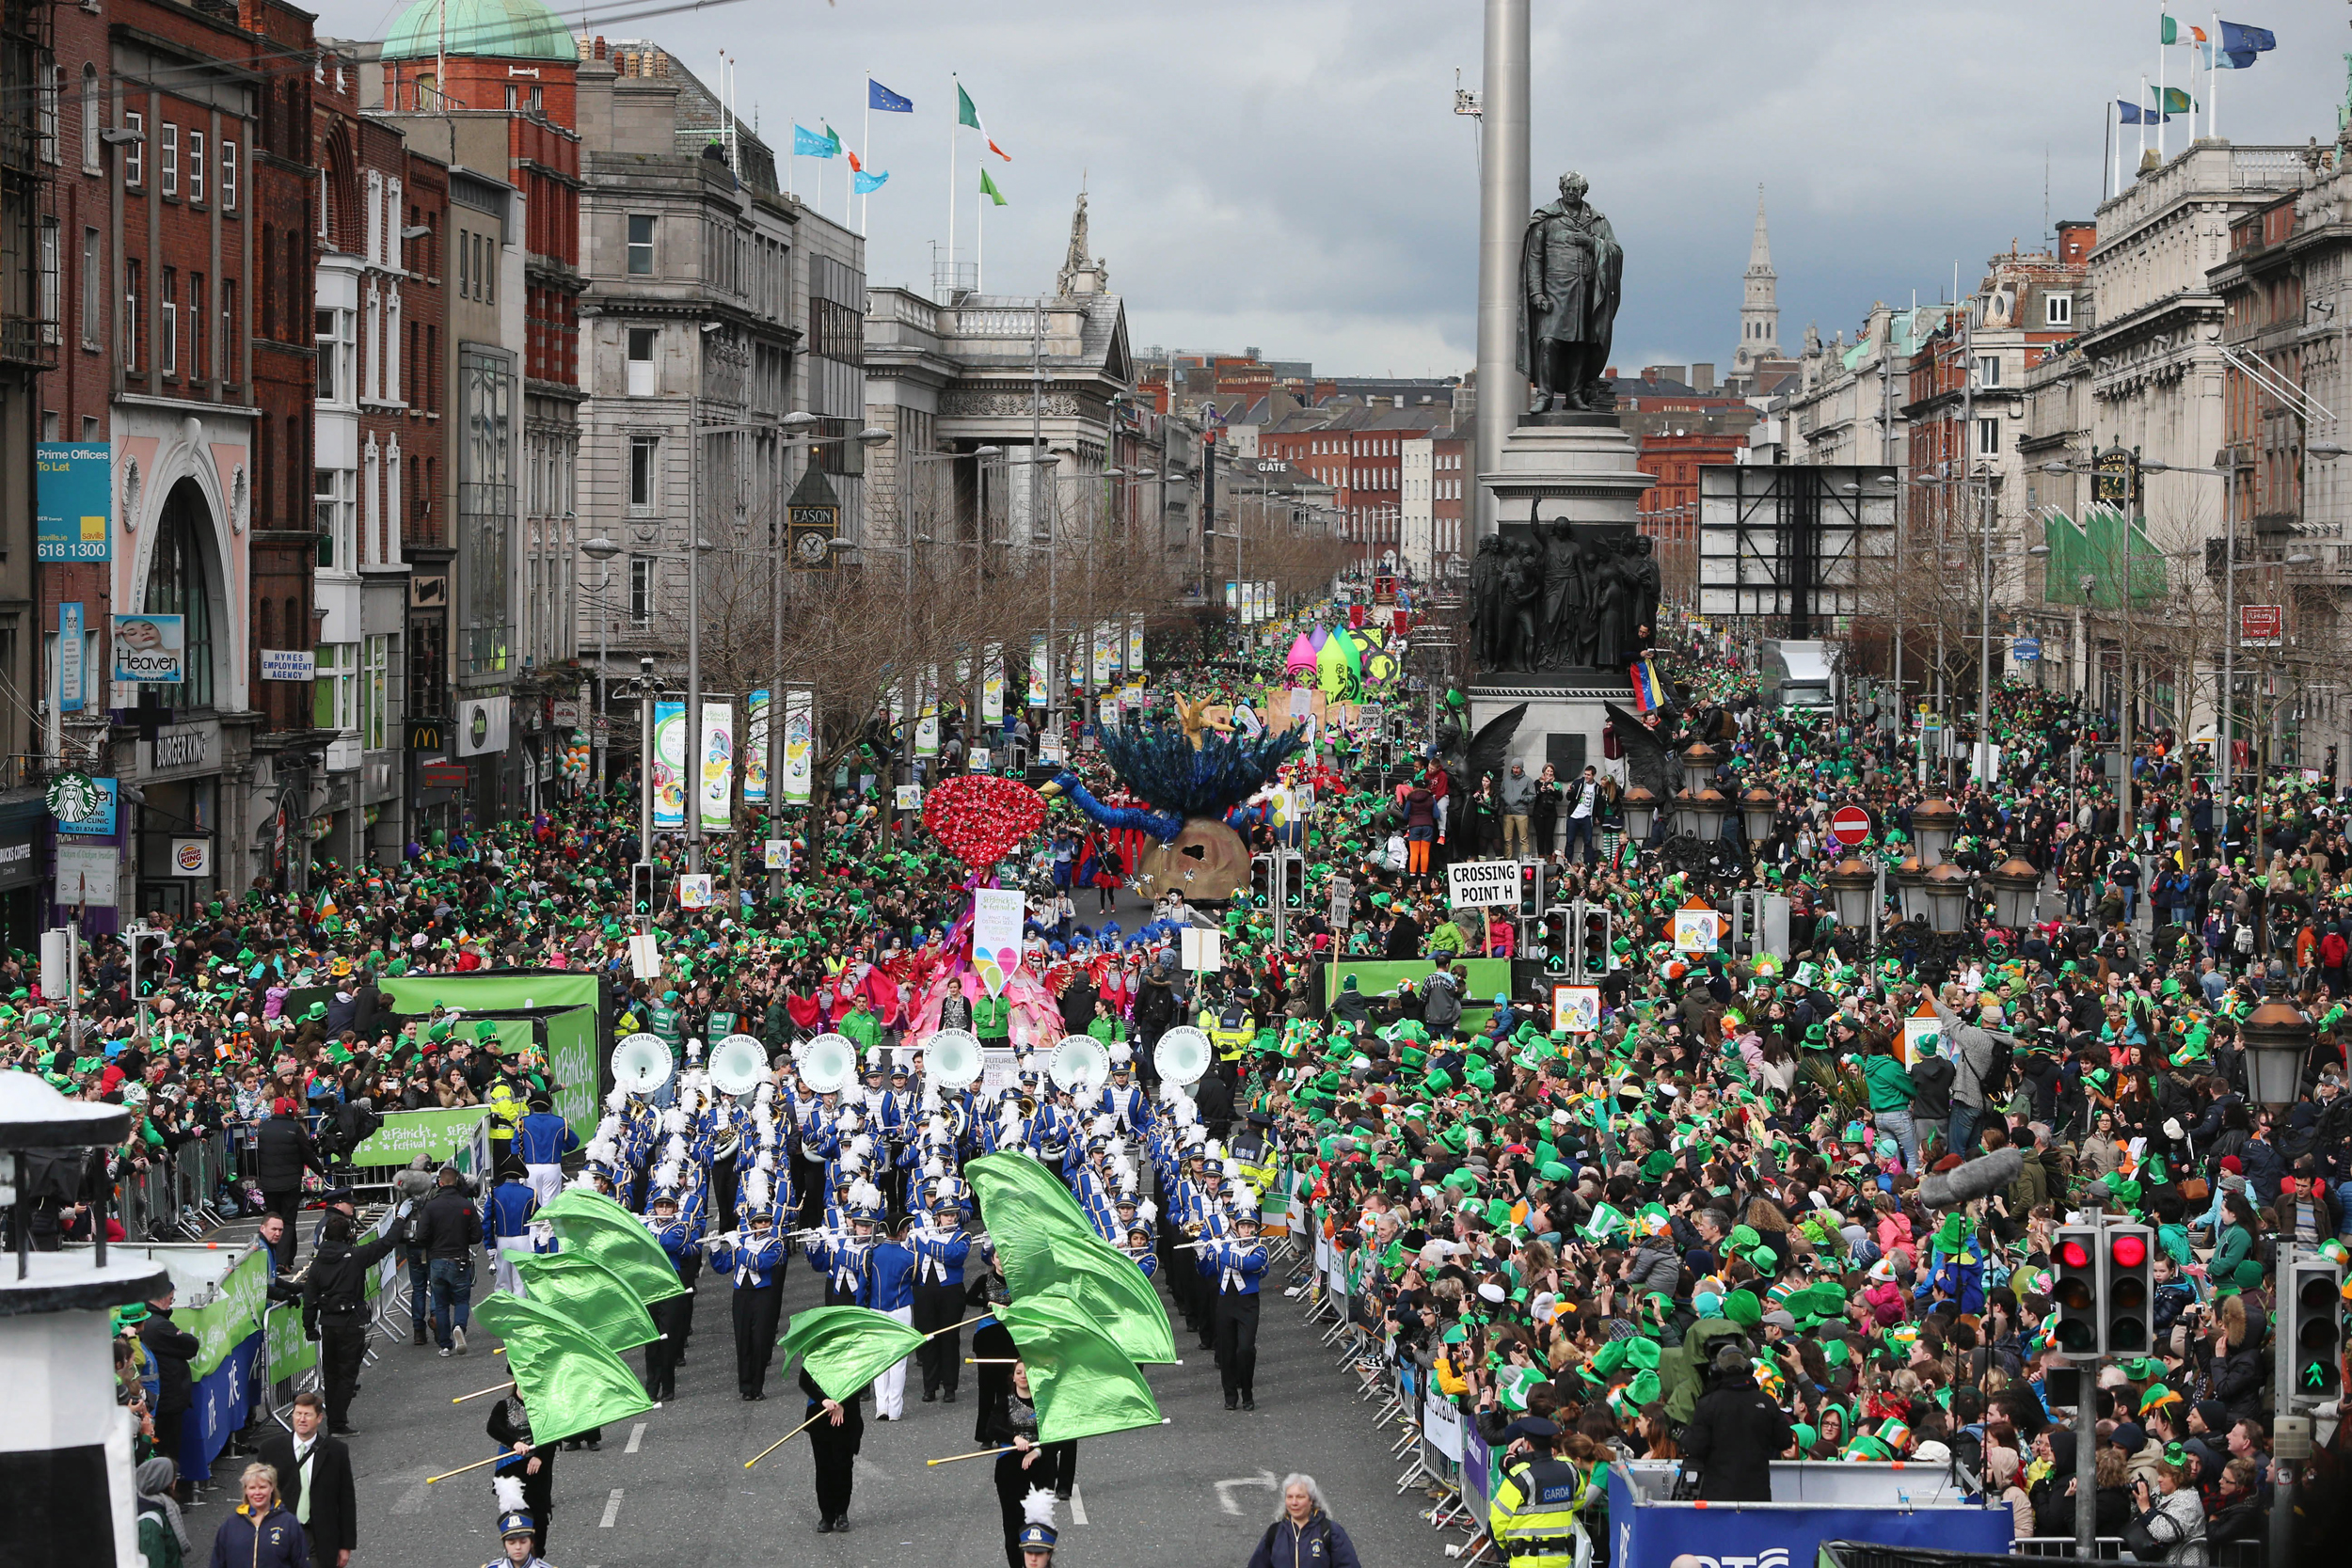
[{"x": 1534, "y": 1513}]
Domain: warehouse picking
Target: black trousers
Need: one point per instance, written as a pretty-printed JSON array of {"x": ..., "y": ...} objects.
[
  {"x": 1237, "y": 1341},
  {"x": 756, "y": 1310},
  {"x": 942, "y": 1359},
  {"x": 539, "y": 1495},
  {"x": 343, "y": 1345},
  {"x": 834, "y": 1449},
  {"x": 1013, "y": 1484},
  {"x": 690, "y": 1272},
  {"x": 669, "y": 1316}
]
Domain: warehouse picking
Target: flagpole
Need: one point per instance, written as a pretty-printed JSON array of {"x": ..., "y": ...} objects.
[
  {"x": 2143, "y": 125},
  {"x": 2162, "y": 119},
  {"x": 864, "y": 198},
  {"x": 954, "y": 86},
  {"x": 2108, "y": 126},
  {"x": 980, "y": 241},
  {"x": 2213, "y": 73}
]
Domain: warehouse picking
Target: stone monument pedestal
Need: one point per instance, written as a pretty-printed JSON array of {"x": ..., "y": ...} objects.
[{"x": 1578, "y": 468}]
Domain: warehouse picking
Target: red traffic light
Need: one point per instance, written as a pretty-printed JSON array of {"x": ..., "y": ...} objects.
[
  {"x": 2074, "y": 1255},
  {"x": 2131, "y": 1251}
]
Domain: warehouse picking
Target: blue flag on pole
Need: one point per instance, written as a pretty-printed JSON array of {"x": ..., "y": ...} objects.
[
  {"x": 2132, "y": 114},
  {"x": 2238, "y": 38},
  {"x": 880, "y": 97},
  {"x": 808, "y": 144},
  {"x": 865, "y": 184}
]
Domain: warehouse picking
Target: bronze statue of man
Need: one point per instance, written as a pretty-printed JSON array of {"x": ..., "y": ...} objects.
[{"x": 1570, "y": 274}]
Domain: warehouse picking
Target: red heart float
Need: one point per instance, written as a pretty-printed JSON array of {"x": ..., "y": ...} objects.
[{"x": 980, "y": 818}]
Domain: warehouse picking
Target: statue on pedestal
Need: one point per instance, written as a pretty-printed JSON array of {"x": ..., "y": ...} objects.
[{"x": 1571, "y": 272}]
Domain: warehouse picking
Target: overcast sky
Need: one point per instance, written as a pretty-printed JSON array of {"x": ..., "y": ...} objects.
[{"x": 1290, "y": 174}]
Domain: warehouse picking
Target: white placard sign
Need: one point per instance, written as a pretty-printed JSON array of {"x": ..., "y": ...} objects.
[{"x": 1482, "y": 884}]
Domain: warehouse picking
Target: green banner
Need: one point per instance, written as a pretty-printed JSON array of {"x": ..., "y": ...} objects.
[
  {"x": 1483, "y": 979},
  {"x": 230, "y": 1318},
  {"x": 436, "y": 1134},
  {"x": 576, "y": 1045}
]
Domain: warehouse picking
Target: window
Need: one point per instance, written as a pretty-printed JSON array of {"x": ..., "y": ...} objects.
[
  {"x": 643, "y": 380},
  {"x": 375, "y": 690},
  {"x": 642, "y": 481},
  {"x": 169, "y": 160},
  {"x": 52, "y": 320},
  {"x": 2058, "y": 310},
  {"x": 227, "y": 176},
  {"x": 196, "y": 325},
  {"x": 333, "y": 332},
  {"x": 130, "y": 315},
  {"x": 92, "y": 100},
  {"x": 51, "y": 86},
  {"x": 1987, "y": 437},
  {"x": 641, "y": 245},
  {"x": 195, "y": 165},
  {"x": 391, "y": 347},
  {"x": 640, "y": 590},
  {"x": 510, "y": 98},
  {"x": 178, "y": 582},
  {"x": 224, "y": 347},
  {"x": 538, "y": 103},
  {"x": 135, "y": 150},
  {"x": 333, "y": 490},
  {"x": 1988, "y": 369},
  {"x": 465, "y": 265},
  {"x": 334, "y": 697}
]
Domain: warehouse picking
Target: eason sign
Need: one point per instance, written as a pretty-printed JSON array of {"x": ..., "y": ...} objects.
[{"x": 1482, "y": 884}]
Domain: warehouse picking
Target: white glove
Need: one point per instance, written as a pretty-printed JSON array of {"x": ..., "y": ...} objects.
[{"x": 402, "y": 1213}]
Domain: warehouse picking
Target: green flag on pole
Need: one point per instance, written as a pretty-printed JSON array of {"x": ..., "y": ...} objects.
[
  {"x": 845, "y": 1347},
  {"x": 966, "y": 112},
  {"x": 1085, "y": 1383},
  {"x": 988, "y": 188},
  {"x": 596, "y": 1227},
  {"x": 570, "y": 1380},
  {"x": 592, "y": 1296},
  {"x": 1042, "y": 1241}
]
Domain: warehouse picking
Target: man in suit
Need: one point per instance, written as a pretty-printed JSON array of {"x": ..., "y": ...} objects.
[{"x": 314, "y": 1481}]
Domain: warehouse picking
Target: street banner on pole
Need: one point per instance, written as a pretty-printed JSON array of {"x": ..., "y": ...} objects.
[
  {"x": 993, "y": 685},
  {"x": 799, "y": 745},
  {"x": 1038, "y": 675},
  {"x": 669, "y": 765},
  {"x": 715, "y": 753},
  {"x": 755, "y": 749}
]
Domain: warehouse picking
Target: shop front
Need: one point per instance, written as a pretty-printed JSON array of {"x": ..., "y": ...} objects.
[{"x": 23, "y": 829}]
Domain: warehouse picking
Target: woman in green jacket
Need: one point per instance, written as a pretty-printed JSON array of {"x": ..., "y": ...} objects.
[{"x": 1891, "y": 1090}]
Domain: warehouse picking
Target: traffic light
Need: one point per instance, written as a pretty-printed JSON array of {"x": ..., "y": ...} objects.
[
  {"x": 2315, "y": 1328},
  {"x": 1557, "y": 939},
  {"x": 1531, "y": 889},
  {"x": 1596, "y": 935},
  {"x": 1262, "y": 881},
  {"x": 2076, "y": 1255},
  {"x": 2128, "y": 1293},
  {"x": 1290, "y": 877}
]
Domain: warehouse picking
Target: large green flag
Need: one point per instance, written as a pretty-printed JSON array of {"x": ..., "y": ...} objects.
[
  {"x": 592, "y": 1296},
  {"x": 1042, "y": 1241},
  {"x": 845, "y": 1347},
  {"x": 1084, "y": 1383},
  {"x": 593, "y": 1225},
  {"x": 569, "y": 1379}
]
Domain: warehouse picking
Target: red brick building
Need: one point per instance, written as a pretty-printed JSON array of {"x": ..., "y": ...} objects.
[
  {"x": 1358, "y": 451},
  {"x": 182, "y": 204}
]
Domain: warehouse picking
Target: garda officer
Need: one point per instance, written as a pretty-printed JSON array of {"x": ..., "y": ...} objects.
[
  {"x": 1231, "y": 1029},
  {"x": 1533, "y": 1515},
  {"x": 1238, "y": 1265},
  {"x": 515, "y": 1529},
  {"x": 757, "y": 1263}
]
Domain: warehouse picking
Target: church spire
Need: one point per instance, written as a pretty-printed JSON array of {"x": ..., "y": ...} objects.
[{"x": 1760, "y": 248}]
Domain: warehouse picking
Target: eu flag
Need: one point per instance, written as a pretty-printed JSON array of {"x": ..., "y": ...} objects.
[
  {"x": 2239, "y": 38},
  {"x": 880, "y": 97}
]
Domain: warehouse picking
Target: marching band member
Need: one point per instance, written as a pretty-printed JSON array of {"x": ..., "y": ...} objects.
[
  {"x": 940, "y": 1248},
  {"x": 832, "y": 1445},
  {"x": 1238, "y": 1264},
  {"x": 1122, "y": 1101},
  {"x": 528, "y": 1468},
  {"x": 541, "y": 1141},
  {"x": 676, "y": 1225},
  {"x": 1037, "y": 1536},
  {"x": 843, "y": 1253},
  {"x": 517, "y": 1528},
  {"x": 893, "y": 1277},
  {"x": 756, "y": 1262}
]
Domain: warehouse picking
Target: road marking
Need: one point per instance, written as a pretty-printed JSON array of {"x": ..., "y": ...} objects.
[
  {"x": 636, "y": 1436},
  {"x": 612, "y": 1509},
  {"x": 1225, "y": 1498},
  {"x": 412, "y": 1500},
  {"x": 1077, "y": 1505}
]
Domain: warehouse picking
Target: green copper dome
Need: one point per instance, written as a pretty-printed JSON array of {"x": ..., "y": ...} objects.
[{"x": 504, "y": 29}]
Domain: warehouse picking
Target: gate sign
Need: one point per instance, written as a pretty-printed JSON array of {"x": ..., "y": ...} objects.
[
  {"x": 1482, "y": 884},
  {"x": 2260, "y": 626},
  {"x": 2024, "y": 650},
  {"x": 1850, "y": 827}
]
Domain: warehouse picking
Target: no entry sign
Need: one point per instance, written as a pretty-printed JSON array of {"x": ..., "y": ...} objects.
[{"x": 1850, "y": 827}]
